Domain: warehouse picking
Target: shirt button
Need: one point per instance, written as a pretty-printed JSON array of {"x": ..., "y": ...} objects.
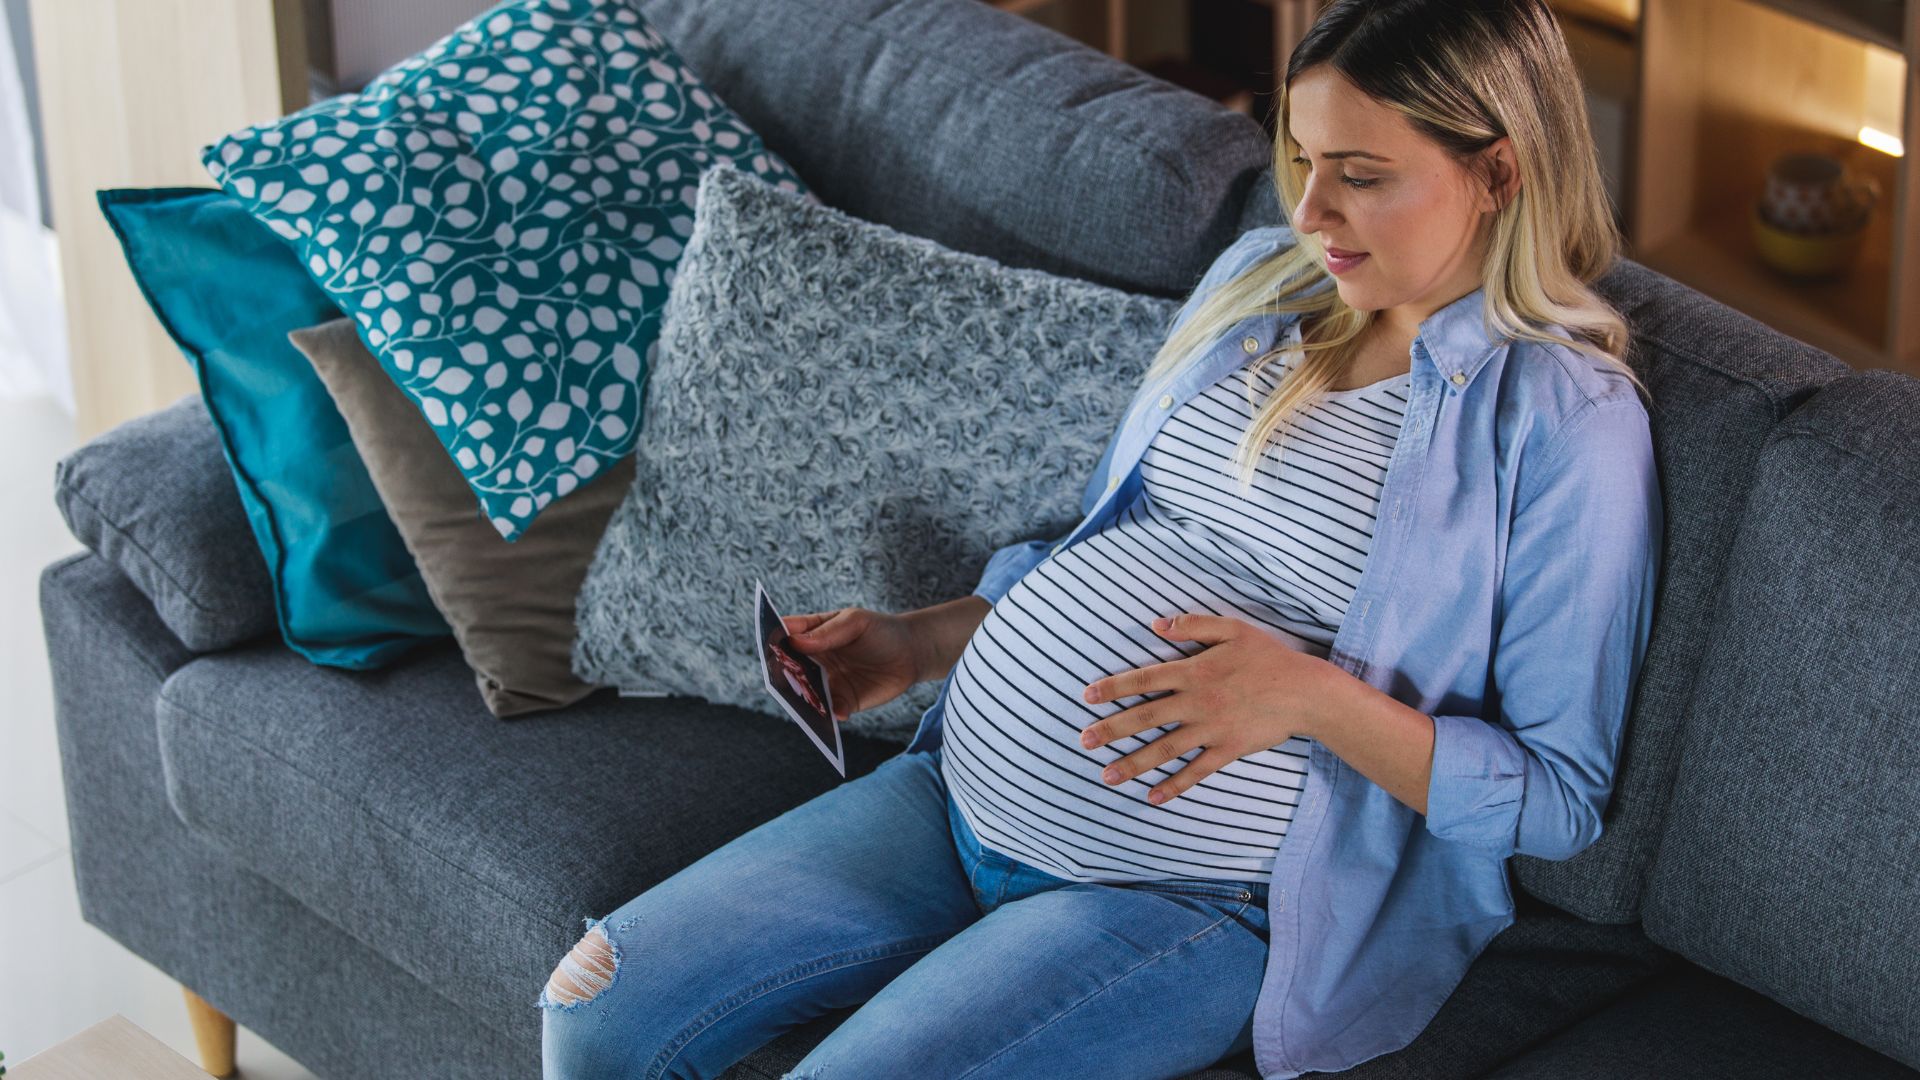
[
  {"x": 1166, "y": 401},
  {"x": 1251, "y": 344},
  {"x": 1279, "y": 901},
  {"x": 1112, "y": 482},
  {"x": 1459, "y": 378}
]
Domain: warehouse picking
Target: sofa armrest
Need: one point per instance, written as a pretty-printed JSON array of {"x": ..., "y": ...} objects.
[{"x": 155, "y": 498}]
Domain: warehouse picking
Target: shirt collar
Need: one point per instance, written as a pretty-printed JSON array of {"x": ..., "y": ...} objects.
[{"x": 1456, "y": 339}]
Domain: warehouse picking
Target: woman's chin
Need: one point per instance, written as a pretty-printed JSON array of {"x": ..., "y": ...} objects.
[{"x": 1354, "y": 294}]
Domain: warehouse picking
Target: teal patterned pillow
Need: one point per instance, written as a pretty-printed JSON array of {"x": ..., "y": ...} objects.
[{"x": 501, "y": 215}]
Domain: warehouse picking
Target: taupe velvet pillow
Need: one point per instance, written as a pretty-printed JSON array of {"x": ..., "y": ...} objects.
[{"x": 511, "y": 605}]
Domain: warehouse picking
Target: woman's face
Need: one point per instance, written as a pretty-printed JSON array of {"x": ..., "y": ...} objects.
[{"x": 1416, "y": 214}]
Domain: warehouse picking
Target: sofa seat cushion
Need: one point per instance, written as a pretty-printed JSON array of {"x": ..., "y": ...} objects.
[
  {"x": 467, "y": 851},
  {"x": 1695, "y": 1024}
]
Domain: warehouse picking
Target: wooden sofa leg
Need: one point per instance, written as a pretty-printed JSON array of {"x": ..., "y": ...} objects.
[{"x": 213, "y": 1032}]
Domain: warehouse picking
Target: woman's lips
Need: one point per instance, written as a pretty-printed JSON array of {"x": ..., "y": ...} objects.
[{"x": 1338, "y": 263}]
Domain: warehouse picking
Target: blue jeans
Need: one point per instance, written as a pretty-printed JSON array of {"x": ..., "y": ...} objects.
[{"x": 963, "y": 962}]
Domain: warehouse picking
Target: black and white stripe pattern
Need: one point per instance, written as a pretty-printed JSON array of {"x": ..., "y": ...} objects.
[{"x": 1287, "y": 559}]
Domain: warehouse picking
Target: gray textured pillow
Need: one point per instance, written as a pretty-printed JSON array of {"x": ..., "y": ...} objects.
[{"x": 857, "y": 417}]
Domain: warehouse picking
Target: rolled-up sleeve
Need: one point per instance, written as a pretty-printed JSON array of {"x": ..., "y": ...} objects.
[{"x": 1583, "y": 562}]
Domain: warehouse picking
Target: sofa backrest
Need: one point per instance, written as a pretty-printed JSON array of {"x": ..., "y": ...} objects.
[
  {"x": 982, "y": 130},
  {"x": 1721, "y": 381},
  {"x": 1790, "y": 856}
]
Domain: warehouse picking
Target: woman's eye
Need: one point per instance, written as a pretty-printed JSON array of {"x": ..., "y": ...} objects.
[{"x": 1351, "y": 181}]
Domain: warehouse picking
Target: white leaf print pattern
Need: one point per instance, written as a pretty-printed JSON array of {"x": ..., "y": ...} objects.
[{"x": 522, "y": 185}]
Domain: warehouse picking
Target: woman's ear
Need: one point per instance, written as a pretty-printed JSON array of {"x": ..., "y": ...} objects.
[{"x": 1503, "y": 174}]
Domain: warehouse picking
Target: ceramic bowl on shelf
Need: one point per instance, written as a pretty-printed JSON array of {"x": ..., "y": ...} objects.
[{"x": 1806, "y": 255}]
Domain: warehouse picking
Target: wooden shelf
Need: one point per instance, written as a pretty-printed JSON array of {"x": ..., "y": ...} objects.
[
  {"x": 1290, "y": 21},
  {"x": 1847, "y": 316},
  {"x": 1621, "y": 16},
  {"x": 1114, "y": 41},
  {"x": 1726, "y": 87}
]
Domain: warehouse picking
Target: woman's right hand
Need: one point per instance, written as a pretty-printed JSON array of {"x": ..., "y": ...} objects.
[{"x": 869, "y": 655}]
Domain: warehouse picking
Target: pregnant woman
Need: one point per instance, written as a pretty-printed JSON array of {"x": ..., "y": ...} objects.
[{"x": 1363, "y": 585}]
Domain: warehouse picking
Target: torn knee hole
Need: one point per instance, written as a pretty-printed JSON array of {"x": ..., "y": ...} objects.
[{"x": 585, "y": 971}]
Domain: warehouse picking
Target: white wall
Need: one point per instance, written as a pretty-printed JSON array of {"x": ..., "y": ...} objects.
[{"x": 370, "y": 36}]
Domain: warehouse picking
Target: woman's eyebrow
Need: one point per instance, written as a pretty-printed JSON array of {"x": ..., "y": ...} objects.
[{"x": 1335, "y": 155}]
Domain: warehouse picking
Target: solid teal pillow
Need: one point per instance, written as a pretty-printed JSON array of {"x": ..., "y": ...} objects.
[
  {"x": 346, "y": 591},
  {"x": 501, "y": 215}
]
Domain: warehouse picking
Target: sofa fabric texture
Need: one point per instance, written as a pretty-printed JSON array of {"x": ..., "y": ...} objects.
[
  {"x": 985, "y": 132},
  {"x": 122, "y": 495},
  {"x": 854, "y": 417},
  {"x": 465, "y": 849},
  {"x": 1720, "y": 381},
  {"x": 510, "y": 604},
  {"x": 500, "y": 214},
  {"x": 1695, "y": 1024},
  {"x": 1791, "y": 838},
  {"x": 244, "y": 944}
]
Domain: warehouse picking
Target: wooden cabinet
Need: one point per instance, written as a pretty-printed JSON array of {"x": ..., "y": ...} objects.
[{"x": 1725, "y": 87}]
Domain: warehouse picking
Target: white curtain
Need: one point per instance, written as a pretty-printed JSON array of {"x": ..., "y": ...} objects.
[{"x": 33, "y": 325}]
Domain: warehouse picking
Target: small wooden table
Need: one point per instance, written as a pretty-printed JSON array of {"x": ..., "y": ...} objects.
[{"x": 113, "y": 1049}]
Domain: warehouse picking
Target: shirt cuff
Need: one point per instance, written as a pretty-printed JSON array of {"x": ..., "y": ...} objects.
[{"x": 1479, "y": 779}]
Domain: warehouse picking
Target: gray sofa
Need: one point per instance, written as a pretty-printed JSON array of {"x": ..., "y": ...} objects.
[{"x": 376, "y": 876}]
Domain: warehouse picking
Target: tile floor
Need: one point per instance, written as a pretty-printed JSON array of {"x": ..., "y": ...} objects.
[{"x": 58, "y": 975}]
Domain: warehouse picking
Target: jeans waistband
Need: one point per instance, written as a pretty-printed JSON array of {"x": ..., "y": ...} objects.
[{"x": 1258, "y": 888}]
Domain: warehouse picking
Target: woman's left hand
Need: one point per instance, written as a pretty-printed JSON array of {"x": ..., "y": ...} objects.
[{"x": 1246, "y": 692}]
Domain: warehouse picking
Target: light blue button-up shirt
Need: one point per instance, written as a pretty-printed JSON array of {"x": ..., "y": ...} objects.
[{"x": 1508, "y": 594}]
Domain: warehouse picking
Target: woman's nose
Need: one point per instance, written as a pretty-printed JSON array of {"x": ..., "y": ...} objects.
[{"x": 1310, "y": 216}]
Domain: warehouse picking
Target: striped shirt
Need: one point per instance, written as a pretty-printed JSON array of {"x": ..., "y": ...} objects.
[{"x": 1286, "y": 557}]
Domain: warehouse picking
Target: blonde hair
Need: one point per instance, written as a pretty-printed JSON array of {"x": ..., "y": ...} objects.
[{"x": 1464, "y": 73}]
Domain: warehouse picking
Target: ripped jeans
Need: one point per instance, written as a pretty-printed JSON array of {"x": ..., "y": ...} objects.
[{"x": 963, "y": 962}]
